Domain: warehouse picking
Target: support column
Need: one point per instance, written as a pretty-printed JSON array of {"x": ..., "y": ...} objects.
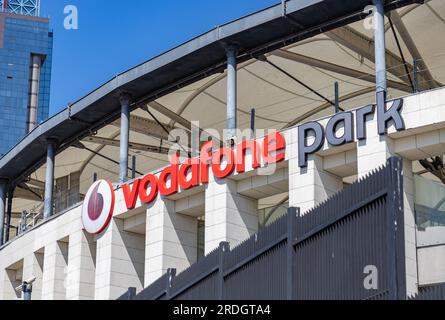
[
  {"x": 49, "y": 179},
  {"x": 231, "y": 92},
  {"x": 3, "y": 187},
  {"x": 120, "y": 261},
  {"x": 310, "y": 186},
  {"x": 81, "y": 267},
  {"x": 124, "y": 139},
  {"x": 54, "y": 271},
  {"x": 380, "y": 45},
  {"x": 171, "y": 240},
  {"x": 33, "y": 267},
  {"x": 229, "y": 216}
]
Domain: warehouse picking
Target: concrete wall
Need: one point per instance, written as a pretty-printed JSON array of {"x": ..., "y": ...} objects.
[{"x": 431, "y": 262}]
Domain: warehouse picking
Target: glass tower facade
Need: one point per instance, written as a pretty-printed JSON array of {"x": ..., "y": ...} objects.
[{"x": 25, "y": 72}]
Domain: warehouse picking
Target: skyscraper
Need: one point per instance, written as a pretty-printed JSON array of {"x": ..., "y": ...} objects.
[{"x": 25, "y": 69}]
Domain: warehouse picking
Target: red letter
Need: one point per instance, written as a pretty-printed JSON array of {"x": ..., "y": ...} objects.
[
  {"x": 274, "y": 147},
  {"x": 189, "y": 165},
  {"x": 143, "y": 187},
  {"x": 206, "y": 155},
  {"x": 216, "y": 163},
  {"x": 241, "y": 150},
  {"x": 172, "y": 173},
  {"x": 130, "y": 194}
]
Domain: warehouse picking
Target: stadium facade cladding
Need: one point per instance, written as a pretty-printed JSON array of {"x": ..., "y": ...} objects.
[{"x": 93, "y": 205}]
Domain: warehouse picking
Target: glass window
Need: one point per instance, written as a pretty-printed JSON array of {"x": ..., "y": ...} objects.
[{"x": 429, "y": 205}]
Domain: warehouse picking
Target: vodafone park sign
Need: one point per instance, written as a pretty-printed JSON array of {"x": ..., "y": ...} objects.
[{"x": 98, "y": 206}]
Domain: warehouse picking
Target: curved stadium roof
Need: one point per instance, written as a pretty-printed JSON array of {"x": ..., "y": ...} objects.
[{"x": 314, "y": 42}]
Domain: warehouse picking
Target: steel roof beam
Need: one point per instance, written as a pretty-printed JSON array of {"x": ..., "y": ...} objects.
[
  {"x": 131, "y": 145},
  {"x": 170, "y": 114},
  {"x": 36, "y": 183},
  {"x": 405, "y": 11},
  {"x": 93, "y": 154},
  {"x": 146, "y": 126},
  {"x": 412, "y": 48},
  {"x": 178, "y": 119},
  {"x": 336, "y": 68},
  {"x": 26, "y": 192},
  {"x": 364, "y": 46}
]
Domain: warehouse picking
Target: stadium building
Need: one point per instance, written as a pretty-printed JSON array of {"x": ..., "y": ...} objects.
[{"x": 95, "y": 200}]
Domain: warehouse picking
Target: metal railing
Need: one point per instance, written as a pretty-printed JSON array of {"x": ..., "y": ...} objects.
[
  {"x": 29, "y": 219},
  {"x": 63, "y": 201}
]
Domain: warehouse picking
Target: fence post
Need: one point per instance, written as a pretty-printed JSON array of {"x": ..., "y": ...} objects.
[
  {"x": 292, "y": 214},
  {"x": 223, "y": 248},
  {"x": 171, "y": 273}
]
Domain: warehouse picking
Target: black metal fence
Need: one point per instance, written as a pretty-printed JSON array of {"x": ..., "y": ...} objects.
[{"x": 349, "y": 247}]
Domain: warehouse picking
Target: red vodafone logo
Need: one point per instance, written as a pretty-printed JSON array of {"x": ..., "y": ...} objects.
[{"x": 98, "y": 206}]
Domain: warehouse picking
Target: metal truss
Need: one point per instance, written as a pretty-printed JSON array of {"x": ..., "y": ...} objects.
[{"x": 23, "y": 7}]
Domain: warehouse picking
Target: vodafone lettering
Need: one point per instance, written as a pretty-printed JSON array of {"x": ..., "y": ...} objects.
[{"x": 196, "y": 171}]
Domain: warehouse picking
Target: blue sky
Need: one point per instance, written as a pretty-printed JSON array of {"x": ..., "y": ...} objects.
[{"x": 114, "y": 36}]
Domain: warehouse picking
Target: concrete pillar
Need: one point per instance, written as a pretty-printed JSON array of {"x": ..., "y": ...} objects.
[
  {"x": 171, "y": 240},
  {"x": 120, "y": 261},
  {"x": 231, "y": 92},
  {"x": 81, "y": 275},
  {"x": 54, "y": 271},
  {"x": 3, "y": 187},
  {"x": 410, "y": 229},
  {"x": 34, "y": 79},
  {"x": 229, "y": 216},
  {"x": 124, "y": 139},
  {"x": 33, "y": 267},
  {"x": 49, "y": 179},
  {"x": 310, "y": 186},
  {"x": 373, "y": 153}
]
